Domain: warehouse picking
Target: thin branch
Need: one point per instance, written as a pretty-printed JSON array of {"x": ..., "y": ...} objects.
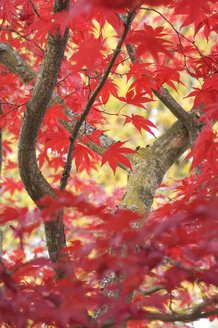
[
  {"x": 197, "y": 313},
  {"x": 63, "y": 78},
  {"x": 147, "y": 292},
  {"x": 179, "y": 112},
  {"x": 22, "y": 36},
  {"x": 181, "y": 35},
  {"x": 13, "y": 109},
  {"x": 15, "y": 63},
  {"x": 165, "y": 97},
  {"x": 91, "y": 100},
  {"x": 153, "y": 290},
  {"x": 181, "y": 266},
  {"x": 34, "y": 8}
]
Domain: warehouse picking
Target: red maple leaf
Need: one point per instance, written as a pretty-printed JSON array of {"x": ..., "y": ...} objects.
[
  {"x": 94, "y": 137},
  {"x": 205, "y": 148},
  {"x": 82, "y": 156},
  {"x": 136, "y": 99},
  {"x": 140, "y": 123},
  {"x": 167, "y": 75},
  {"x": 150, "y": 40},
  {"x": 95, "y": 50},
  {"x": 110, "y": 88},
  {"x": 10, "y": 185},
  {"x": 8, "y": 11},
  {"x": 114, "y": 155},
  {"x": 194, "y": 11}
]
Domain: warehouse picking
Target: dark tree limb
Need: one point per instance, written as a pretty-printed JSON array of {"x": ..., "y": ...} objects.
[
  {"x": 197, "y": 313},
  {"x": 152, "y": 163},
  {"x": 179, "y": 112},
  {"x": 33, "y": 180},
  {"x": 11, "y": 59},
  {"x": 92, "y": 98},
  {"x": 34, "y": 8}
]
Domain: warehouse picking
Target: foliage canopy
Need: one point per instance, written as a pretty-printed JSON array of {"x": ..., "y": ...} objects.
[{"x": 69, "y": 69}]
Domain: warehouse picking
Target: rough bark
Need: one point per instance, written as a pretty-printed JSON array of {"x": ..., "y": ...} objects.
[
  {"x": 33, "y": 180},
  {"x": 152, "y": 163}
]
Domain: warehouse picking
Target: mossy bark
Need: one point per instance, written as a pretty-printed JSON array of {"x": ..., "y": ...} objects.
[{"x": 152, "y": 163}]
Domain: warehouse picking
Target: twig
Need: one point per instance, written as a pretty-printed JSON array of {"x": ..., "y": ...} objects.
[
  {"x": 22, "y": 36},
  {"x": 153, "y": 290},
  {"x": 63, "y": 78},
  {"x": 34, "y": 8},
  {"x": 184, "y": 37},
  {"x": 8, "y": 56},
  {"x": 91, "y": 100},
  {"x": 168, "y": 100},
  {"x": 195, "y": 314},
  {"x": 15, "y": 108},
  {"x": 181, "y": 266}
]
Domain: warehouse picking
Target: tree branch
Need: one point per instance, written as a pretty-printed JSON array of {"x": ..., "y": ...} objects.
[
  {"x": 33, "y": 180},
  {"x": 153, "y": 290},
  {"x": 197, "y": 313},
  {"x": 82, "y": 117},
  {"x": 165, "y": 97},
  {"x": 179, "y": 112},
  {"x": 153, "y": 161},
  {"x": 34, "y": 8},
  {"x": 11, "y": 59},
  {"x": 15, "y": 63}
]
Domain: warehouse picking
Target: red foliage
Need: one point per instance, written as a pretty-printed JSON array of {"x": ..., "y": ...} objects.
[
  {"x": 151, "y": 266},
  {"x": 114, "y": 155}
]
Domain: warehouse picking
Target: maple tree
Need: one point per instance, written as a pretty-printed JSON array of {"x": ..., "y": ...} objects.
[{"x": 128, "y": 265}]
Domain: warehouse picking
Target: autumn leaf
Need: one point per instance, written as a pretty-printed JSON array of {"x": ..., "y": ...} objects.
[
  {"x": 150, "y": 40},
  {"x": 136, "y": 99},
  {"x": 140, "y": 123},
  {"x": 114, "y": 155},
  {"x": 94, "y": 137},
  {"x": 82, "y": 156},
  {"x": 167, "y": 75},
  {"x": 8, "y": 184},
  {"x": 95, "y": 50},
  {"x": 8, "y": 11}
]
